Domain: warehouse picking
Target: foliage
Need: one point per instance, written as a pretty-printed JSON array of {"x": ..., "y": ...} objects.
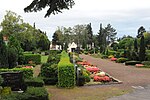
[
  {"x": 53, "y": 58},
  {"x": 3, "y": 53},
  {"x": 22, "y": 35},
  {"x": 121, "y": 60},
  {"x": 66, "y": 72},
  {"x": 49, "y": 70},
  {"x": 132, "y": 62},
  {"x": 1, "y": 80},
  {"x": 89, "y": 38},
  {"x": 35, "y": 82},
  {"x": 148, "y": 56},
  {"x": 35, "y": 58},
  {"x": 50, "y": 81},
  {"x": 146, "y": 63},
  {"x": 32, "y": 93},
  {"x": 27, "y": 72},
  {"x": 12, "y": 57},
  {"x": 142, "y": 49},
  {"x": 126, "y": 43},
  {"x": 53, "y": 6}
]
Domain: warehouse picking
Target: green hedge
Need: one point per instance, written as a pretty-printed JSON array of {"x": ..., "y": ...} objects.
[
  {"x": 146, "y": 62},
  {"x": 50, "y": 81},
  {"x": 32, "y": 93},
  {"x": 35, "y": 82},
  {"x": 132, "y": 62},
  {"x": 35, "y": 58},
  {"x": 27, "y": 72},
  {"x": 66, "y": 72}
]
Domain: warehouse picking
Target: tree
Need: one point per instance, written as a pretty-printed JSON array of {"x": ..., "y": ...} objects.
[
  {"x": 3, "y": 53},
  {"x": 110, "y": 33},
  {"x": 58, "y": 37},
  {"x": 89, "y": 35},
  {"x": 142, "y": 49},
  {"x": 141, "y": 30},
  {"x": 101, "y": 39},
  {"x": 135, "y": 45},
  {"x": 55, "y": 6}
]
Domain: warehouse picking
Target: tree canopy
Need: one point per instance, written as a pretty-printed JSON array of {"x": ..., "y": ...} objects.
[{"x": 54, "y": 6}]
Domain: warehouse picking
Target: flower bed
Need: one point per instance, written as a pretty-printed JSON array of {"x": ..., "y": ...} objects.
[{"x": 98, "y": 76}]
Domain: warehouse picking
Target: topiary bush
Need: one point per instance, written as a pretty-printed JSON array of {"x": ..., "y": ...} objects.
[
  {"x": 35, "y": 58},
  {"x": 66, "y": 72},
  {"x": 132, "y": 62},
  {"x": 121, "y": 60}
]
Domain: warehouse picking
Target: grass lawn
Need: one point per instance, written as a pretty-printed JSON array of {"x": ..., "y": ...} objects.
[
  {"x": 44, "y": 59},
  {"x": 85, "y": 93}
]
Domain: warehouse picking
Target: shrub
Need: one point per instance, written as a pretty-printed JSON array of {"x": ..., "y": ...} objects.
[
  {"x": 1, "y": 80},
  {"x": 53, "y": 58},
  {"x": 35, "y": 82},
  {"x": 111, "y": 52},
  {"x": 111, "y": 56},
  {"x": 148, "y": 56},
  {"x": 121, "y": 60},
  {"x": 132, "y": 62},
  {"x": 32, "y": 93},
  {"x": 27, "y": 72},
  {"x": 50, "y": 81},
  {"x": 35, "y": 58},
  {"x": 146, "y": 62},
  {"x": 49, "y": 70},
  {"x": 66, "y": 73},
  {"x": 37, "y": 93},
  {"x": 104, "y": 56}
]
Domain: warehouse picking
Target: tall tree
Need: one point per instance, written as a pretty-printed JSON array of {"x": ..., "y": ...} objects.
[
  {"x": 54, "y": 6},
  {"x": 89, "y": 35},
  {"x": 142, "y": 49},
  {"x": 110, "y": 33},
  {"x": 57, "y": 38},
  {"x": 101, "y": 39}
]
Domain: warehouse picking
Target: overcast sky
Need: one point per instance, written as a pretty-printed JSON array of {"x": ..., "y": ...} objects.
[{"x": 126, "y": 16}]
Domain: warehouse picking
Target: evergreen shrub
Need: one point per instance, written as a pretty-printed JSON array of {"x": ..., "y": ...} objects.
[{"x": 66, "y": 72}]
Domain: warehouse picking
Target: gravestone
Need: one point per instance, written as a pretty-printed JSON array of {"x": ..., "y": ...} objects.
[{"x": 13, "y": 80}]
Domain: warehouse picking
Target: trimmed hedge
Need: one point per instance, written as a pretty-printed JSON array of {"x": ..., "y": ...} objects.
[
  {"x": 66, "y": 72},
  {"x": 32, "y": 93},
  {"x": 35, "y": 82},
  {"x": 50, "y": 81},
  {"x": 27, "y": 72},
  {"x": 147, "y": 63},
  {"x": 132, "y": 62},
  {"x": 35, "y": 58}
]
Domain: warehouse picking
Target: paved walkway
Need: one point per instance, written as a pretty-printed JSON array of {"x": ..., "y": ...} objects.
[{"x": 137, "y": 78}]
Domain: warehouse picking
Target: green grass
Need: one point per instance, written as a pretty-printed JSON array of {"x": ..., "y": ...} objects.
[{"x": 44, "y": 59}]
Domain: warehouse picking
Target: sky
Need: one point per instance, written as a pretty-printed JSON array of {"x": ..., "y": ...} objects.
[{"x": 126, "y": 16}]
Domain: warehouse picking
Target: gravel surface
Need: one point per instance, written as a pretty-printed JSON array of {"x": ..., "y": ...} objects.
[
  {"x": 132, "y": 77},
  {"x": 129, "y": 75}
]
